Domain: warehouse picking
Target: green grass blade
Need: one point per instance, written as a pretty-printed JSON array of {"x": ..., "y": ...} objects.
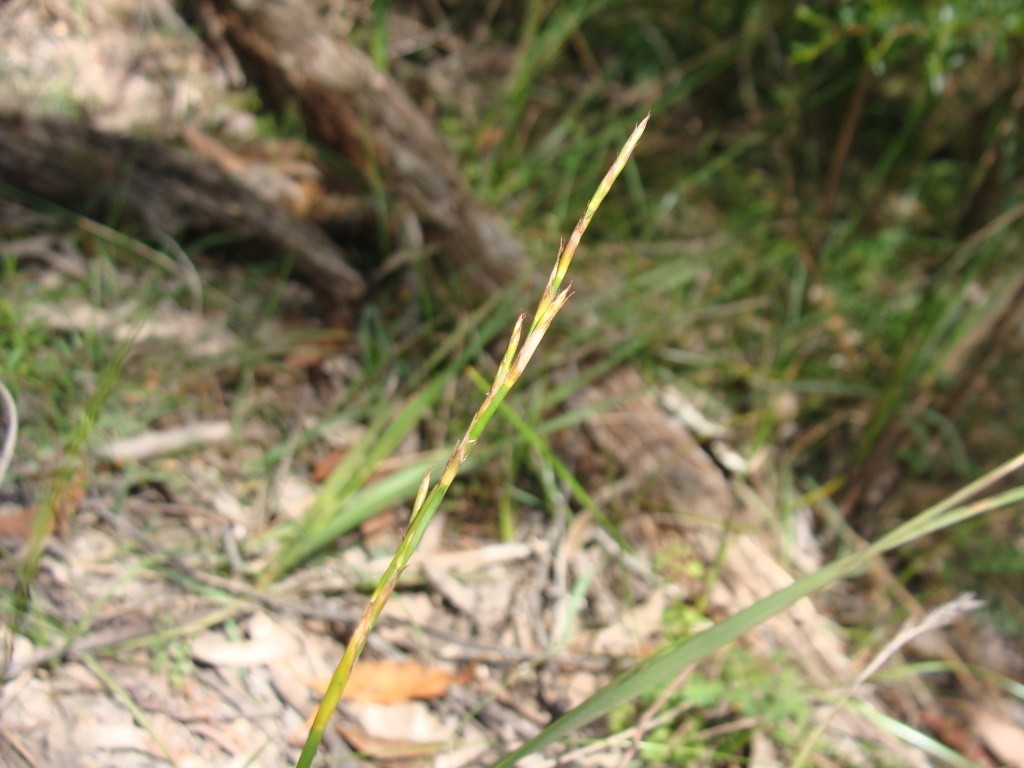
[
  {"x": 336, "y": 509},
  {"x": 517, "y": 356},
  {"x": 919, "y": 740},
  {"x": 329, "y": 516},
  {"x": 533, "y": 438},
  {"x": 654, "y": 671}
]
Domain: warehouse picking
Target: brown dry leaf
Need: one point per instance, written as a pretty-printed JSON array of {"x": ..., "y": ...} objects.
[
  {"x": 269, "y": 642},
  {"x": 66, "y": 493},
  {"x": 389, "y": 752},
  {"x": 381, "y": 533},
  {"x": 16, "y": 523},
  {"x": 390, "y": 682},
  {"x": 1000, "y": 734},
  {"x": 384, "y": 523},
  {"x": 326, "y": 464}
]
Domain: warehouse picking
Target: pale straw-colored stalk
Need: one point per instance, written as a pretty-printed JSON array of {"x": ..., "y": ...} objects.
[{"x": 428, "y": 499}]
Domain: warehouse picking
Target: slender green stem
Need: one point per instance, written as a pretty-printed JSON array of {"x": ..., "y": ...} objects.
[{"x": 512, "y": 365}]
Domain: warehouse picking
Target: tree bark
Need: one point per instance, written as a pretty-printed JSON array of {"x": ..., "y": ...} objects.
[{"x": 349, "y": 105}]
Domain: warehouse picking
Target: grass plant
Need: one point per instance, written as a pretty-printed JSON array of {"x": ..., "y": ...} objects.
[
  {"x": 345, "y": 501},
  {"x": 56, "y": 507},
  {"x": 77, "y": 385},
  {"x": 517, "y": 356}
]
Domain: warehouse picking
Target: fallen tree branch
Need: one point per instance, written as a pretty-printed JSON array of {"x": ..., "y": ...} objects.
[
  {"x": 351, "y": 106},
  {"x": 163, "y": 187}
]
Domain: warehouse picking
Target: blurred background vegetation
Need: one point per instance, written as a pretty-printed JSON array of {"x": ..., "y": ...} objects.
[
  {"x": 854, "y": 171},
  {"x": 819, "y": 238},
  {"x": 818, "y": 241}
]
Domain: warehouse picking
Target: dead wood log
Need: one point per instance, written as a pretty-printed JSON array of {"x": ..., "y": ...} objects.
[
  {"x": 351, "y": 106},
  {"x": 657, "y": 453},
  {"x": 165, "y": 189}
]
